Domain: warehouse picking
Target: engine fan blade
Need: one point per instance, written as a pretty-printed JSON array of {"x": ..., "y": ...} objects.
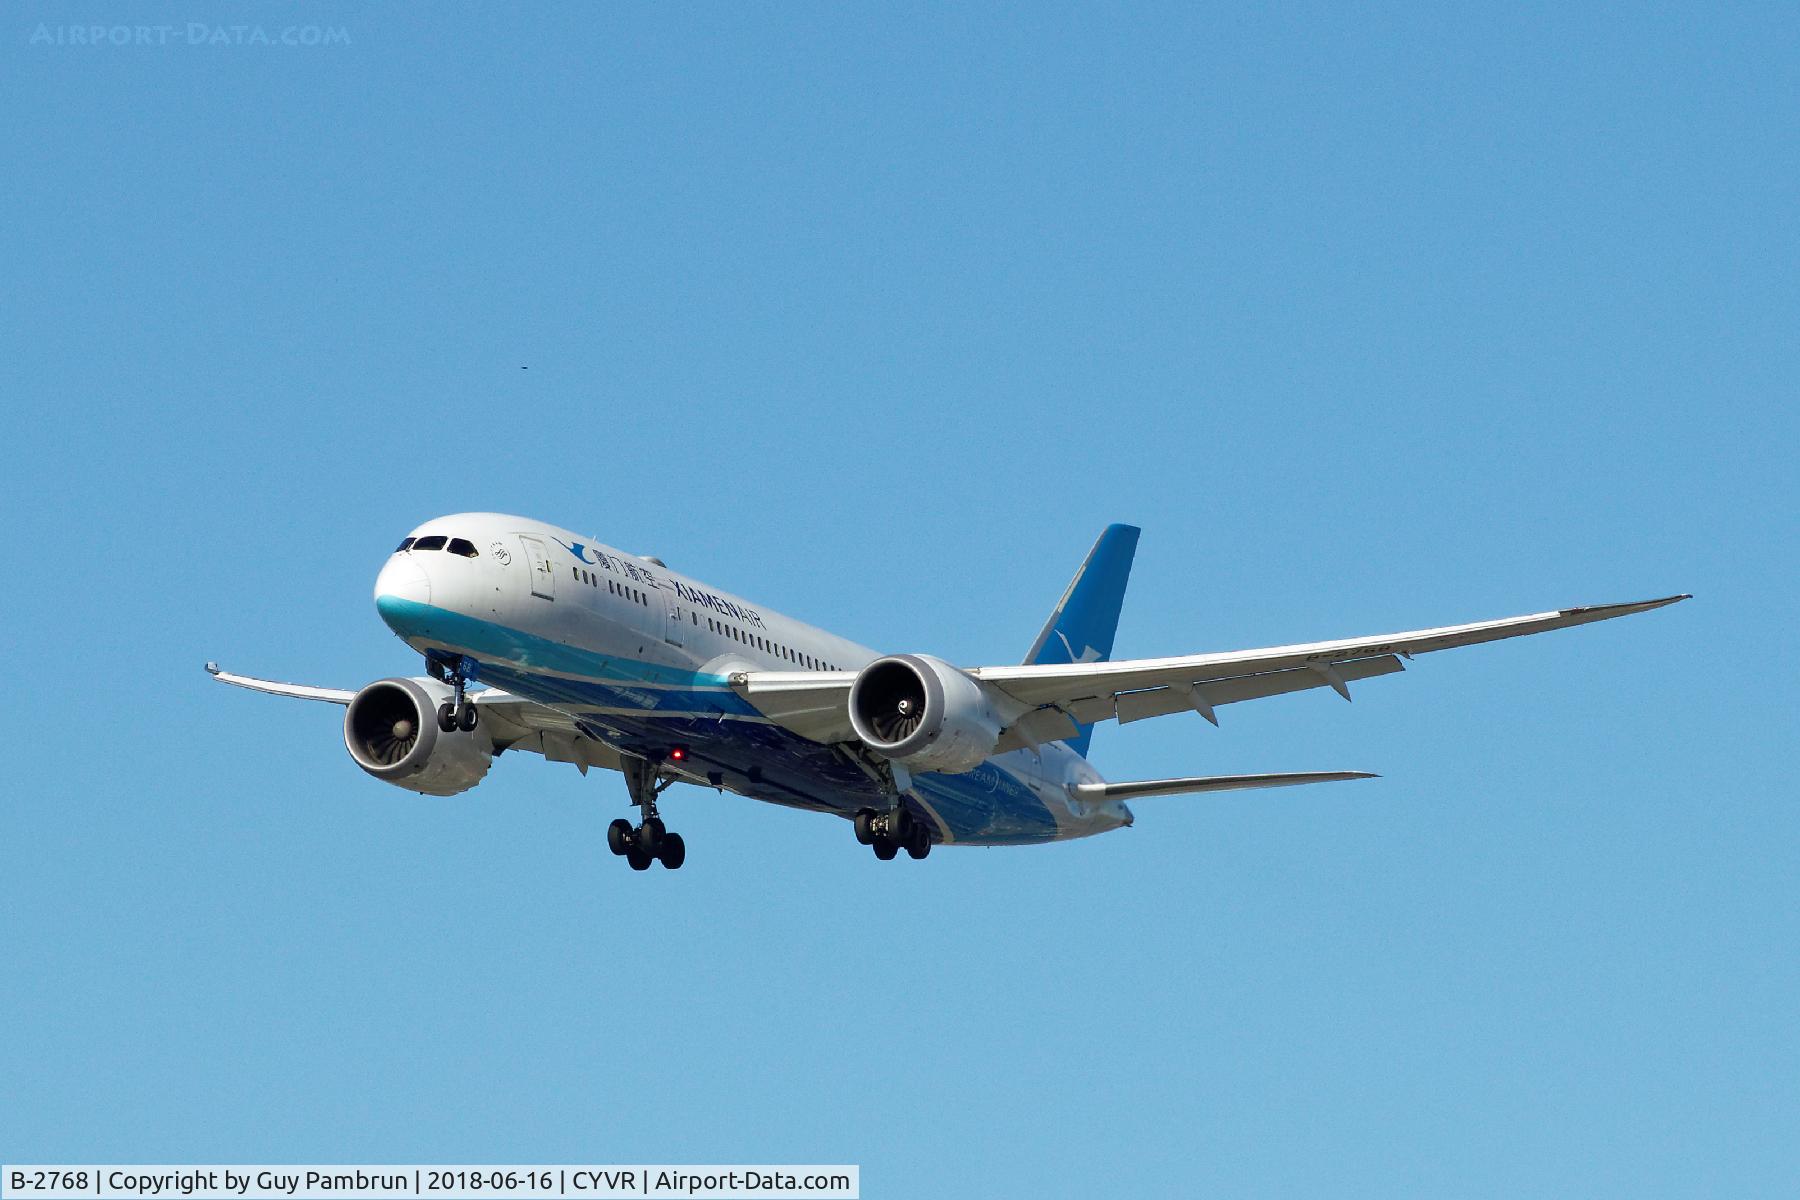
[{"x": 397, "y": 744}]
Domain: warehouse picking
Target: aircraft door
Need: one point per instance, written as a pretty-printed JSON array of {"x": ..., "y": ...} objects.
[
  {"x": 675, "y": 614},
  {"x": 537, "y": 558}
]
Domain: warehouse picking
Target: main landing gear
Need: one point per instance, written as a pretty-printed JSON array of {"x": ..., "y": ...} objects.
[
  {"x": 650, "y": 840},
  {"x": 891, "y": 831},
  {"x": 457, "y": 670}
]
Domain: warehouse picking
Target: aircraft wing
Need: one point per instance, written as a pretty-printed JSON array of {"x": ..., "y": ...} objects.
[
  {"x": 1054, "y": 698},
  {"x": 514, "y": 724}
]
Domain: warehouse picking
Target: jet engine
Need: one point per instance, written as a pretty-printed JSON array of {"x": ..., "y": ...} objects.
[
  {"x": 391, "y": 730},
  {"x": 924, "y": 714}
]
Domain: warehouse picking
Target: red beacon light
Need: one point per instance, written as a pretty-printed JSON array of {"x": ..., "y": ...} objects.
[{"x": 677, "y": 753}]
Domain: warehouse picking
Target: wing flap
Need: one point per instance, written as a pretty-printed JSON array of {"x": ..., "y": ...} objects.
[{"x": 1157, "y": 702}]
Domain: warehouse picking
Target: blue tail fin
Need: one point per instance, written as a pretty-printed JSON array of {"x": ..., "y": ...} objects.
[{"x": 1081, "y": 627}]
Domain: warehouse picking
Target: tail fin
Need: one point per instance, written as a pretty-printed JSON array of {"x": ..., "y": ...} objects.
[{"x": 1081, "y": 627}]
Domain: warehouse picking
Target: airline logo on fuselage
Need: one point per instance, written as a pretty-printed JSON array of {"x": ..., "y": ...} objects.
[
  {"x": 718, "y": 604},
  {"x": 612, "y": 562},
  {"x": 630, "y": 570}
]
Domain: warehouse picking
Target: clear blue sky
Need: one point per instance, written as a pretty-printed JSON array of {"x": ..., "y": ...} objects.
[{"x": 1372, "y": 318}]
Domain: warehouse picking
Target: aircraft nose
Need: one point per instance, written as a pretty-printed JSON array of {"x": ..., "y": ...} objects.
[{"x": 401, "y": 585}]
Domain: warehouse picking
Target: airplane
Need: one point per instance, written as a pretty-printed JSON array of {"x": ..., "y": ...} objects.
[{"x": 541, "y": 640}]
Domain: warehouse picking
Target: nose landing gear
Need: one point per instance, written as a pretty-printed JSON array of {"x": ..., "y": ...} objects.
[
  {"x": 890, "y": 832},
  {"x": 457, "y": 670},
  {"x": 650, "y": 840}
]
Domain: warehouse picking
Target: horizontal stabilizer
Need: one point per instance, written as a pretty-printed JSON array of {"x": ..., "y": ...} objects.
[{"x": 1207, "y": 783}]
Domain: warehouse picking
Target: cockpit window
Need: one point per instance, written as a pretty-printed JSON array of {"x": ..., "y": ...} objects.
[
  {"x": 435, "y": 542},
  {"x": 404, "y": 545},
  {"x": 461, "y": 546}
]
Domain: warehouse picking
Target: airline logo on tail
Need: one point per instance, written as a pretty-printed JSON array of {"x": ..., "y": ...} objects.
[{"x": 1088, "y": 653}]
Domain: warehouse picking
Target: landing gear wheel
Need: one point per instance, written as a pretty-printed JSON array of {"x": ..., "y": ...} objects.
[
  {"x": 918, "y": 841},
  {"x": 885, "y": 849},
  {"x": 446, "y": 717},
  {"x": 650, "y": 840},
  {"x": 864, "y": 824},
  {"x": 467, "y": 717}
]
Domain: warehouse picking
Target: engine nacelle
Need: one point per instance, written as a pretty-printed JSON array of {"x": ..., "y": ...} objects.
[
  {"x": 391, "y": 731},
  {"x": 923, "y": 713}
]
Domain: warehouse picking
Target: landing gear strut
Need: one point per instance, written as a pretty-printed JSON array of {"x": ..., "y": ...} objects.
[
  {"x": 890, "y": 832},
  {"x": 457, "y": 670},
  {"x": 650, "y": 840}
]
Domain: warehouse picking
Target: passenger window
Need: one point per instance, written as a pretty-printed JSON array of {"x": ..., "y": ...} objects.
[
  {"x": 461, "y": 546},
  {"x": 430, "y": 543},
  {"x": 404, "y": 545}
]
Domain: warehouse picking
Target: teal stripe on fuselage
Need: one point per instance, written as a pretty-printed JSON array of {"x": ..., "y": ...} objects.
[{"x": 487, "y": 640}]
